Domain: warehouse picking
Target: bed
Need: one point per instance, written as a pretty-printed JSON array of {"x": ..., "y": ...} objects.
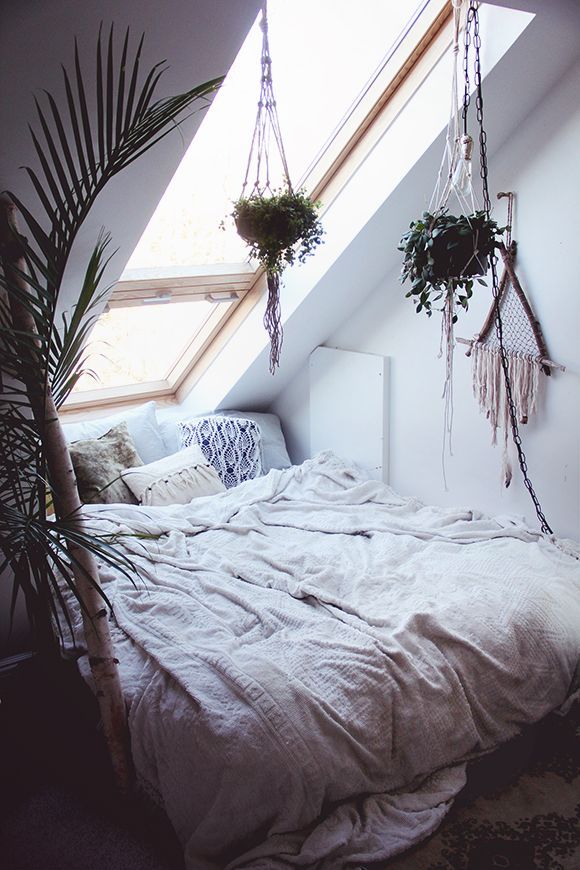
[{"x": 311, "y": 660}]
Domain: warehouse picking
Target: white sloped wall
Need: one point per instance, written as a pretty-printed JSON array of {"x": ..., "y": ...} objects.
[{"x": 538, "y": 162}]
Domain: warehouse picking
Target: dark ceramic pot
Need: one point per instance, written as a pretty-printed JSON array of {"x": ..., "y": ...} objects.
[
  {"x": 277, "y": 227},
  {"x": 459, "y": 261}
]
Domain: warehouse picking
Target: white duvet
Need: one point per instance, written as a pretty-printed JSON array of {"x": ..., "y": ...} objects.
[{"x": 310, "y": 660}]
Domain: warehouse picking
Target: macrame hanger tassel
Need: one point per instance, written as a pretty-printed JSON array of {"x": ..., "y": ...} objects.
[
  {"x": 273, "y": 320},
  {"x": 506, "y": 466},
  {"x": 447, "y": 346}
]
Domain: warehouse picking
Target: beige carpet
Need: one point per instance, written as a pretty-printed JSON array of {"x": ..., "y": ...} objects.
[{"x": 532, "y": 823}]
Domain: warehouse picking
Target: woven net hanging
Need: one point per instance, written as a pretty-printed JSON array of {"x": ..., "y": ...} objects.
[{"x": 525, "y": 352}]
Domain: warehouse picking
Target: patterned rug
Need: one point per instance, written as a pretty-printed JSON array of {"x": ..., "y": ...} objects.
[{"x": 533, "y": 823}]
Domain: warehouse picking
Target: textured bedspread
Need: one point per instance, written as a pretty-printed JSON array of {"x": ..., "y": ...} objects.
[{"x": 311, "y": 659}]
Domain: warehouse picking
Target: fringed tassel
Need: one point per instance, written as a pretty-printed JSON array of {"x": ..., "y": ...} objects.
[
  {"x": 273, "y": 320},
  {"x": 447, "y": 345},
  {"x": 504, "y": 421},
  {"x": 488, "y": 380}
]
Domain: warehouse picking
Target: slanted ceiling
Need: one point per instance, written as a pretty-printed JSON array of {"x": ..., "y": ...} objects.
[{"x": 199, "y": 39}]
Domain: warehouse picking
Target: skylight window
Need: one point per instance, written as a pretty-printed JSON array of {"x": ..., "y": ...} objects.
[{"x": 125, "y": 347}]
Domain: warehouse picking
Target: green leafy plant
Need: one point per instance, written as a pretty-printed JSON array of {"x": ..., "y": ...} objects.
[
  {"x": 273, "y": 225},
  {"x": 102, "y": 128},
  {"x": 279, "y": 228},
  {"x": 443, "y": 255}
]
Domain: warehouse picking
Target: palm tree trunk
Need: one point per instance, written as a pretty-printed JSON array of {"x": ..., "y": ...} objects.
[{"x": 68, "y": 504}]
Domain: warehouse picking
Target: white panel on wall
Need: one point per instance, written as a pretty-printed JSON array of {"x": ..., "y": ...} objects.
[{"x": 348, "y": 407}]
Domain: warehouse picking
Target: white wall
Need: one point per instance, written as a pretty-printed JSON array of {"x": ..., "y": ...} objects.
[{"x": 539, "y": 162}]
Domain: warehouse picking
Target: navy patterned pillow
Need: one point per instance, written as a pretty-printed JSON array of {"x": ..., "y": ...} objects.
[{"x": 232, "y": 445}]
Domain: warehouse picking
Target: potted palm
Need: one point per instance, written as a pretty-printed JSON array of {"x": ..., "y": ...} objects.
[{"x": 42, "y": 355}]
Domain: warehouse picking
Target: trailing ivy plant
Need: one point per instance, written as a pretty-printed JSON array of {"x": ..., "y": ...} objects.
[
  {"x": 443, "y": 255},
  {"x": 273, "y": 226},
  {"x": 279, "y": 228}
]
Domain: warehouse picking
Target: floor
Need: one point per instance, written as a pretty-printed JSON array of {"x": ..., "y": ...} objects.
[
  {"x": 521, "y": 811},
  {"x": 526, "y": 817},
  {"x": 50, "y": 751}
]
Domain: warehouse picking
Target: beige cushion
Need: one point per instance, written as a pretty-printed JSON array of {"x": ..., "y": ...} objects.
[
  {"x": 98, "y": 463},
  {"x": 175, "y": 479}
]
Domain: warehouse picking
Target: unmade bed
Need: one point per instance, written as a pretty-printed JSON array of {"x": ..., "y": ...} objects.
[{"x": 309, "y": 660}]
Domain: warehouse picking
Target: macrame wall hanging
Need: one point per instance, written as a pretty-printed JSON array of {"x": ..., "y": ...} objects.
[
  {"x": 280, "y": 224},
  {"x": 525, "y": 350},
  {"x": 444, "y": 253}
]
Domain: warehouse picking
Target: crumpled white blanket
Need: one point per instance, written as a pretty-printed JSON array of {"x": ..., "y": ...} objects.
[{"x": 310, "y": 659}]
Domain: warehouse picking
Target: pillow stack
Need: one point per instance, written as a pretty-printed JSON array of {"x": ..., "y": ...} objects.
[
  {"x": 108, "y": 456},
  {"x": 123, "y": 458}
]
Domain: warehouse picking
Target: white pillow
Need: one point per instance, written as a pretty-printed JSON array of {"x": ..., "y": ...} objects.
[
  {"x": 175, "y": 479},
  {"x": 232, "y": 446},
  {"x": 141, "y": 422},
  {"x": 170, "y": 433}
]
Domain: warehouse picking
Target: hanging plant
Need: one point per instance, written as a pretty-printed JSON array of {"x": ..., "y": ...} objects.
[
  {"x": 273, "y": 226},
  {"x": 444, "y": 253},
  {"x": 278, "y": 229},
  {"x": 279, "y": 226}
]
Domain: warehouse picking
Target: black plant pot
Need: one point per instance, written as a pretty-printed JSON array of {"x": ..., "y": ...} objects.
[
  {"x": 277, "y": 227},
  {"x": 246, "y": 226},
  {"x": 455, "y": 256}
]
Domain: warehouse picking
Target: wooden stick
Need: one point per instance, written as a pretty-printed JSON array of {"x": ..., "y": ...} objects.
[{"x": 543, "y": 362}]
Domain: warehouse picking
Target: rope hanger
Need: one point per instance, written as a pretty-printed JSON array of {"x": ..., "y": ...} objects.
[
  {"x": 266, "y": 127},
  {"x": 279, "y": 224}
]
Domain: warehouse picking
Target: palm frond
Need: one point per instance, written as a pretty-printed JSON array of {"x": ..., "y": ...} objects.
[
  {"x": 79, "y": 149},
  {"x": 67, "y": 353}
]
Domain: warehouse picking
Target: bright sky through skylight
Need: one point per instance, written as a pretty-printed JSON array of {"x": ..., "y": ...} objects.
[
  {"x": 323, "y": 53},
  {"x": 119, "y": 351}
]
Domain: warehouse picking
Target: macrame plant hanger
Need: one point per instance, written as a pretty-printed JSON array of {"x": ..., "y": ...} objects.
[
  {"x": 511, "y": 413},
  {"x": 525, "y": 351},
  {"x": 454, "y": 179},
  {"x": 266, "y": 135}
]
